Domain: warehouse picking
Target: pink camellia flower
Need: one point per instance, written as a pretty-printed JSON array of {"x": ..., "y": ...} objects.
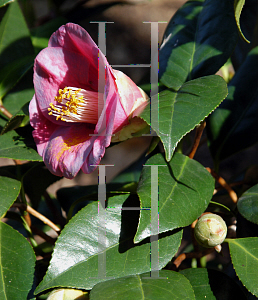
[{"x": 71, "y": 128}]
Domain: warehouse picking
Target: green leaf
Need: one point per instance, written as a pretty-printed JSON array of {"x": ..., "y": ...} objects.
[
  {"x": 72, "y": 199},
  {"x": 244, "y": 255},
  {"x": 238, "y": 6},
  {"x": 179, "y": 112},
  {"x": 198, "y": 41},
  {"x": 212, "y": 284},
  {"x": 231, "y": 126},
  {"x": 170, "y": 285},
  {"x": 5, "y": 2},
  {"x": 15, "y": 39},
  {"x": 17, "y": 262},
  {"x": 9, "y": 191},
  {"x": 13, "y": 72},
  {"x": 19, "y": 120},
  {"x": 15, "y": 146},
  {"x": 13, "y": 123},
  {"x": 199, "y": 280},
  {"x": 183, "y": 185},
  {"x": 247, "y": 204},
  {"x": 17, "y": 100},
  {"x": 78, "y": 246}
]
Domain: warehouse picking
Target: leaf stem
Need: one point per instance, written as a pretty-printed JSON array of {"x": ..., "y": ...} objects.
[
  {"x": 198, "y": 135},
  {"x": 45, "y": 220},
  {"x": 5, "y": 112},
  {"x": 27, "y": 228},
  {"x": 38, "y": 215},
  {"x": 225, "y": 185}
]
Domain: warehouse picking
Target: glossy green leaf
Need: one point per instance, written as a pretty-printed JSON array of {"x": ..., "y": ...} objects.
[
  {"x": 72, "y": 199},
  {"x": 15, "y": 39},
  {"x": 199, "y": 280},
  {"x": 244, "y": 255},
  {"x": 247, "y": 204},
  {"x": 198, "y": 41},
  {"x": 180, "y": 111},
  {"x": 15, "y": 146},
  {"x": 9, "y": 191},
  {"x": 17, "y": 262},
  {"x": 4, "y": 2},
  {"x": 17, "y": 100},
  {"x": 183, "y": 185},
  {"x": 212, "y": 284},
  {"x": 231, "y": 126},
  {"x": 238, "y": 5},
  {"x": 13, "y": 72},
  {"x": 170, "y": 285},
  {"x": 79, "y": 248}
]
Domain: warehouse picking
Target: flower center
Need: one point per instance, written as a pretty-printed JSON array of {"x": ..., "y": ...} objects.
[{"x": 76, "y": 105}]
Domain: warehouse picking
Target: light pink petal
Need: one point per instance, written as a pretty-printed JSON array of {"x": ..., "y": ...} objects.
[
  {"x": 74, "y": 38},
  {"x": 128, "y": 91},
  {"x": 68, "y": 148}
]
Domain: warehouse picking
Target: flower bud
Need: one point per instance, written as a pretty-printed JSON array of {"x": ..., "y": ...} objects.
[
  {"x": 210, "y": 230},
  {"x": 68, "y": 294}
]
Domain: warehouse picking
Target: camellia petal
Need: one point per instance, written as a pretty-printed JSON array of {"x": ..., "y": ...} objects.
[{"x": 74, "y": 118}]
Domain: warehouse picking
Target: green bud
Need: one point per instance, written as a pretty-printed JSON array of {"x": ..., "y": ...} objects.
[{"x": 210, "y": 230}]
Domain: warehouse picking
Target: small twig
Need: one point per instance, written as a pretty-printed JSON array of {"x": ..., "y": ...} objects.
[
  {"x": 26, "y": 215},
  {"x": 197, "y": 255},
  {"x": 38, "y": 215},
  {"x": 230, "y": 184},
  {"x": 27, "y": 218},
  {"x": 198, "y": 135},
  {"x": 5, "y": 112},
  {"x": 45, "y": 220},
  {"x": 225, "y": 185}
]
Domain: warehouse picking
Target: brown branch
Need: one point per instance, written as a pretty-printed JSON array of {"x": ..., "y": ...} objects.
[
  {"x": 225, "y": 185},
  {"x": 230, "y": 184},
  {"x": 45, "y": 220},
  {"x": 198, "y": 135},
  {"x": 197, "y": 255},
  {"x": 38, "y": 215},
  {"x": 27, "y": 218},
  {"x": 5, "y": 112}
]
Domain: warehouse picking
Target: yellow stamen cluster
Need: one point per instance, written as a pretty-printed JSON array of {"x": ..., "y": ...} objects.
[
  {"x": 70, "y": 100},
  {"x": 76, "y": 105}
]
